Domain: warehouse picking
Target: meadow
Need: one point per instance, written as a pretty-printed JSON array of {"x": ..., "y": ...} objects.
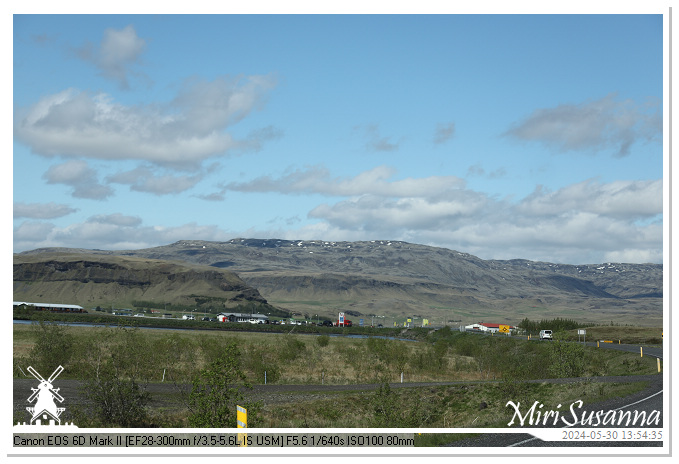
[{"x": 491, "y": 369}]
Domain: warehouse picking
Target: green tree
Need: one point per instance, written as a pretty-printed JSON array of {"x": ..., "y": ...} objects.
[
  {"x": 217, "y": 389},
  {"x": 53, "y": 347},
  {"x": 114, "y": 374}
]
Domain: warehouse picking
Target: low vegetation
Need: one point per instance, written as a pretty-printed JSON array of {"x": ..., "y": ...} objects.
[{"x": 117, "y": 364}]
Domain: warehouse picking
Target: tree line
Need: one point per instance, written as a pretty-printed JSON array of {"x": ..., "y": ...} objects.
[{"x": 558, "y": 324}]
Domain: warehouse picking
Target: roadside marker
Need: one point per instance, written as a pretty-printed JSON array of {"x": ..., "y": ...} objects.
[{"x": 242, "y": 423}]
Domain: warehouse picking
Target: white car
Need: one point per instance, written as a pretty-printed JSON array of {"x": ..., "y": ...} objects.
[{"x": 545, "y": 335}]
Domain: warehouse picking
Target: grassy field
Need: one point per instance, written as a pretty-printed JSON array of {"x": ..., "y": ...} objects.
[
  {"x": 625, "y": 335},
  {"x": 151, "y": 356}
]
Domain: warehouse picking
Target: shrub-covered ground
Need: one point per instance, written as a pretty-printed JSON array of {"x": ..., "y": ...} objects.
[{"x": 124, "y": 361}]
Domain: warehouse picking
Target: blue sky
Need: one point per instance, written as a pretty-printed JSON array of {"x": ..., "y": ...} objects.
[{"x": 503, "y": 136}]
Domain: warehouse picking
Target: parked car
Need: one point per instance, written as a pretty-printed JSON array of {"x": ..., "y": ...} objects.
[{"x": 545, "y": 335}]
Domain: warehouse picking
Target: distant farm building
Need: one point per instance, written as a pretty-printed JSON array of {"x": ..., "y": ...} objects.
[
  {"x": 243, "y": 317},
  {"x": 485, "y": 327},
  {"x": 60, "y": 308}
]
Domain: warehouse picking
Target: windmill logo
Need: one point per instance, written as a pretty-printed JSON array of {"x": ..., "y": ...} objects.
[{"x": 45, "y": 411}]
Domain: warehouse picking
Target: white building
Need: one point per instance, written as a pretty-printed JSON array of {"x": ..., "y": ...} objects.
[
  {"x": 52, "y": 307},
  {"x": 243, "y": 317},
  {"x": 485, "y": 327}
]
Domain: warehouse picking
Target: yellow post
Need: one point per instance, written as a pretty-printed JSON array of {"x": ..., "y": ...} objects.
[
  {"x": 597, "y": 343},
  {"x": 641, "y": 350},
  {"x": 658, "y": 364},
  {"x": 618, "y": 342},
  {"x": 242, "y": 423}
]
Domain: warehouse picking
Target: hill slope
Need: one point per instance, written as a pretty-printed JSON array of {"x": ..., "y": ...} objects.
[
  {"x": 93, "y": 279},
  {"x": 397, "y": 279}
]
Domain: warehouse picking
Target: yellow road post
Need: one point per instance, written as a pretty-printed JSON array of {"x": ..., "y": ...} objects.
[{"x": 242, "y": 423}]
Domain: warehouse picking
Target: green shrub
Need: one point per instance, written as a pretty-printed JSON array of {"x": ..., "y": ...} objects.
[
  {"x": 292, "y": 349},
  {"x": 566, "y": 359}
]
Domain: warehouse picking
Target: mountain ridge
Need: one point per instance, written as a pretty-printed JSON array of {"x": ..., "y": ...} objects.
[{"x": 401, "y": 278}]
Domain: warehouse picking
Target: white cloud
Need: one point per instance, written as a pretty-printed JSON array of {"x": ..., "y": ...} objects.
[
  {"x": 78, "y": 175},
  {"x": 116, "y": 219},
  {"x": 207, "y": 106},
  {"x": 375, "y": 181},
  {"x": 578, "y": 222},
  {"x": 41, "y": 210},
  {"x": 444, "y": 132},
  {"x": 374, "y": 141},
  {"x": 181, "y": 134},
  {"x": 118, "y": 52},
  {"x": 592, "y": 126},
  {"x": 372, "y": 213},
  {"x": 31, "y": 232},
  {"x": 581, "y": 221},
  {"x": 112, "y": 232},
  {"x": 633, "y": 256},
  {"x": 588, "y": 222},
  {"x": 146, "y": 180},
  {"x": 615, "y": 199}
]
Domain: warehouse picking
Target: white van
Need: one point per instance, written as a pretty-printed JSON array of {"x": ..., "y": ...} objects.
[{"x": 545, "y": 335}]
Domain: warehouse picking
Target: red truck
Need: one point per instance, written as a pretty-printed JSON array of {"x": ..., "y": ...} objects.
[{"x": 346, "y": 323}]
